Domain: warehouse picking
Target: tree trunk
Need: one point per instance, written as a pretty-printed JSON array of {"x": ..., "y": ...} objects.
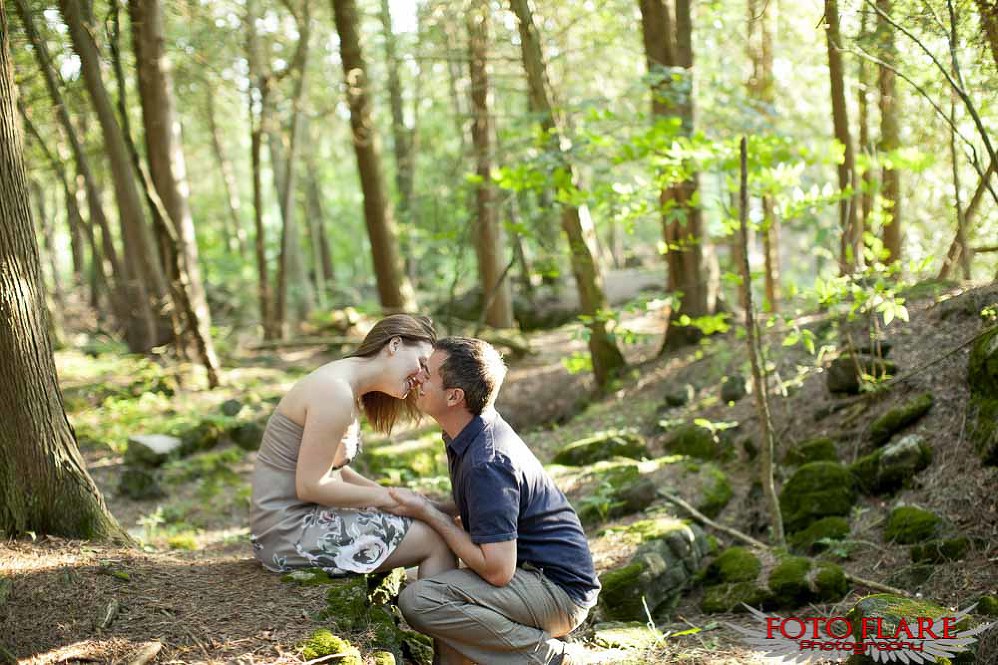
[
  {"x": 258, "y": 104},
  {"x": 394, "y": 289},
  {"x": 48, "y": 240},
  {"x": 865, "y": 141},
  {"x": 401, "y": 134},
  {"x": 316, "y": 210},
  {"x": 168, "y": 170},
  {"x": 988, "y": 10},
  {"x": 850, "y": 254},
  {"x": 890, "y": 137},
  {"x": 957, "y": 247},
  {"x": 143, "y": 276},
  {"x": 489, "y": 245},
  {"x": 125, "y": 311},
  {"x": 236, "y": 237},
  {"x": 44, "y": 485},
  {"x": 669, "y": 54},
  {"x": 291, "y": 268},
  {"x": 575, "y": 221}
]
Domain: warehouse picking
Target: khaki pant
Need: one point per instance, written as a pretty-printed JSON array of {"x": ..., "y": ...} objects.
[{"x": 493, "y": 625}]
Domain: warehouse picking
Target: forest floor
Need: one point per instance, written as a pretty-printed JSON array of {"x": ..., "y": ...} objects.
[{"x": 193, "y": 588}]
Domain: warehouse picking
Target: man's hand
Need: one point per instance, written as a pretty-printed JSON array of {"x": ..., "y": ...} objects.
[{"x": 409, "y": 503}]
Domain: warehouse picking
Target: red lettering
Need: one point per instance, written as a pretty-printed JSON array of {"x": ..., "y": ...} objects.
[
  {"x": 783, "y": 629},
  {"x": 925, "y": 629},
  {"x": 903, "y": 627},
  {"x": 829, "y": 628},
  {"x": 866, "y": 624},
  {"x": 815, "y": 622},
  {"x": 880, "y": 629},
  {"x": 949, "y": 628},
  {"x": 772, "y": 623}
]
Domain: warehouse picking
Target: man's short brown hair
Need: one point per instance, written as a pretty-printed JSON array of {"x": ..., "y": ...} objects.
[{"x": 473, "y": 366}]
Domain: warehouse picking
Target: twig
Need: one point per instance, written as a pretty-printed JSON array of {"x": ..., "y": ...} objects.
[
  {"x": 734, "y": 533},
  {"x": 146, "y": 654}
]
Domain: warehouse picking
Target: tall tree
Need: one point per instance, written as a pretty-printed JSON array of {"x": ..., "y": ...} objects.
[
  {"x": 668, "y": 45},
  {"x": 143, "y": 275},
  {"x": 850, "y": 247},
  {"x": 988, "y": 10},
  {"x": 394, "y": 288},
  {"x": 575, "y": 220},
  {"x": 762, "y": 15},
  {"x": 44, "y": 485},
  {"x": 235, "y": 238},
  {"x": 402, "y": 136},
  {"x": 890, "y": 135},
  {"x": 168, "y": 170},
  {"x": 865, "y": 141},
  {"x": 489, "y": 245}
]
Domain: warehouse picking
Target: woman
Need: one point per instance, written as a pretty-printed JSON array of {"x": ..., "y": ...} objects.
[{"x": 309, "y": 508}]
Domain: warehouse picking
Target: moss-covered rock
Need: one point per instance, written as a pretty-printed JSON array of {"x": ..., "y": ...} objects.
[
  {"x": 844, "y": 375},
  {"x": 680, "y": 396},
  {"x": 620, "y": 489},
  {"x": 814, "y": 491},
  {"x": 988, "y": 606},
  {"x": 896, "y": 419},
  {"x": 717, "y": 492},
  {"x": 890, "y": 610},
  {"x": 602, "y": 446},
  {"x": 982, "y": 410},
  {"x": 417, "y": 648},
  {"x": 324, "y": 643},
  {"x": 797, "y": 580},
  {"x": 913, "y": 577},
  {"x": 735, "y": 564},
  {"x": 140, "y": 484},
  {"x": 660, "y": 570},
  {"x": 730, "y": 597},
  {"x": 384, "y": 588},
  {"x": 203, "y": 436},
  {"x": 247, "y": 435},
  {"x": 623, "y": 635},
  {"x": 820, "y": 449},
  {"x": 908, "y": 525},
  {"x": 888, "y": 469},
  {"x": 308, "y": 577},
  {"x": 940, "y": 549},
  {"x": 383, "y": 658},
  {"x": 699, "y": 442},
  {"x": 347, "y": 604},
  {"x": 733, "y": 388},
  {"x": 816, "y": 537}
]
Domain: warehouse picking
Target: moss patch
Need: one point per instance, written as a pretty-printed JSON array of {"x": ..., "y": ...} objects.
[
  {"x": 729, "y": 597},
  {"x": 908, "y": 525},
  {"x": 699, "y": 442},
  {"x": 988, "y": 605},
  {"x": 602, "y": 446},
  {"x": 323, "y": 643},
  {"x": 896, "y": 419},
  {"x": 939, "y": 550},
  {"x": 735, "y": 564},
  {"x": 982, "y": 425},
  {"x": 788, "y": 581},
  {"x": 816, "y": 537},
  {"x": 821, "y": 449},
  {"x": 814, "y": 491}
]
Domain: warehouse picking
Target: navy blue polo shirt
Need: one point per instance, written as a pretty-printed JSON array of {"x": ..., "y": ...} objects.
[{"x": 503, "y": 493}]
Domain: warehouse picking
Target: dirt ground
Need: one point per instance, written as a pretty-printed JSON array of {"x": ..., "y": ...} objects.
[{"x": 74, "y": 602}]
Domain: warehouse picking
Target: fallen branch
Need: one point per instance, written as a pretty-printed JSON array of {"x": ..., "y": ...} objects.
[
  {"x": 146, "y": 654},
  {"x": 738, "y": 535}
]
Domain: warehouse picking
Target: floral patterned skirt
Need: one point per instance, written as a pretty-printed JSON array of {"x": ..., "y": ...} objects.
[{"x": 341, "y": 541}]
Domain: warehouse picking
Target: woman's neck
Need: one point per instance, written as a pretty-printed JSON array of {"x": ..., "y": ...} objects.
[{"x": 363, "y": 374}]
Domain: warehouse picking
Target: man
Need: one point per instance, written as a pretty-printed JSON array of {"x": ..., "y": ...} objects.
[{"x": 530, "y": 575}]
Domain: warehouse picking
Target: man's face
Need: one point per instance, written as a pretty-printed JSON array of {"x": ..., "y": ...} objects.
[{"x": 432, "y": 399}]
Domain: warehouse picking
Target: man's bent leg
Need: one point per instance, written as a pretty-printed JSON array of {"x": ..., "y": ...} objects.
[{"x": 494, "y": 625}]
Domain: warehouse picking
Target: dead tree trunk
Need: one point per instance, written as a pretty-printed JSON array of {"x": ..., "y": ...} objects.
[
  {"x": 850, "y": 253},
  {"x": 44, "y": 485},
  {"x": 575, "y": 221},
  {"x": 394, "y": 289},
  {"x": 489, "y": 245}
]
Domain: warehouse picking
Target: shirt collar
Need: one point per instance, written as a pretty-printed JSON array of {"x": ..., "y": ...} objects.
[{"x": 459, "y": 444}]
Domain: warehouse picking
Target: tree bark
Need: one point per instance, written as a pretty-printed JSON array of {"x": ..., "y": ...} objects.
[
  {"x": 168, "y": 170},
  {"x": 44, "y": 485},
  {"x": 48, "y": 240},
  {"x": 317, "y": 212},
  {"x": 850, "y": 253},
  {"x": 890, "y": 135},
  {"x": 988, "y": 10},
  {"x": 957, "y": 248},
  {"x": 401, "y": 134},
  {"x": 394, "y": 289},
  {"x": 143, "y": 275},
  {"x": 575, "y": 221},
  {"x": 865, "y": 141},
  {"x": 489, "y": 244},
  {"x": 669, "y": 55}
]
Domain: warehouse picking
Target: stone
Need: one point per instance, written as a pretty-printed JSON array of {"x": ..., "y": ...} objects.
[
  {"x": 231, "y": 407},
  {"x": 680, "y": 396},
  {"x": 660, "y": 570},
  {"x": 982, "y": 409},
  {"x": 820, "y": 449},
  {"x": 896, "y": 419},
  {"x": 733, "y": 388},
  {"x": 730, "y": 597},
  {"x": 248, "y": 435},
  {"x": 988, "y": 606},
  {"x": 716, "y": 490},
  {"x": 699, "y": 442},
  {"x": 814, "y": 491},
  {"x": 602, "y": 446},
  {"x": 140, "y": 484},
  {"x": 735, "y": 564},
  {"x": 843, "y": 374},
  {"x": 203, "y": 436},
  {"x": 151, "y": 450},
  {"x": 901, "y": 460},
  {"x": 940, "y": 549},
  {"x": 796, "y": 581},
  {"x": 815, "y": 538},
  {"x": 908, "y": 525}
]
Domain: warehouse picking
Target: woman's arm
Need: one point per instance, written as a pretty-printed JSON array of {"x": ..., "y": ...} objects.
[
  {"x": 313, "y": 481},
  {"x": 351, "y": 476}
]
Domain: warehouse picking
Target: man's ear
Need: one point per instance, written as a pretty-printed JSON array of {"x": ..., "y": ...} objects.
[{"x": 455, "y": 397}]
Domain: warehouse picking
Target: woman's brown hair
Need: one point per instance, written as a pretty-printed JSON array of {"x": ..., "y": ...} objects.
[{"x": 383, "y": 410}]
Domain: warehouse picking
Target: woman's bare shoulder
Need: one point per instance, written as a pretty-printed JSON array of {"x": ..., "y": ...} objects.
[{"x": 325, "y": 390}]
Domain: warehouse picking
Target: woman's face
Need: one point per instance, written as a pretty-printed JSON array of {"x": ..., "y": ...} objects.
[{"x": 408, "y": 366}]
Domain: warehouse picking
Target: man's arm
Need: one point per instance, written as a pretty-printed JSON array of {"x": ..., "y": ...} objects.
[{"x": 494, "y": 562}]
